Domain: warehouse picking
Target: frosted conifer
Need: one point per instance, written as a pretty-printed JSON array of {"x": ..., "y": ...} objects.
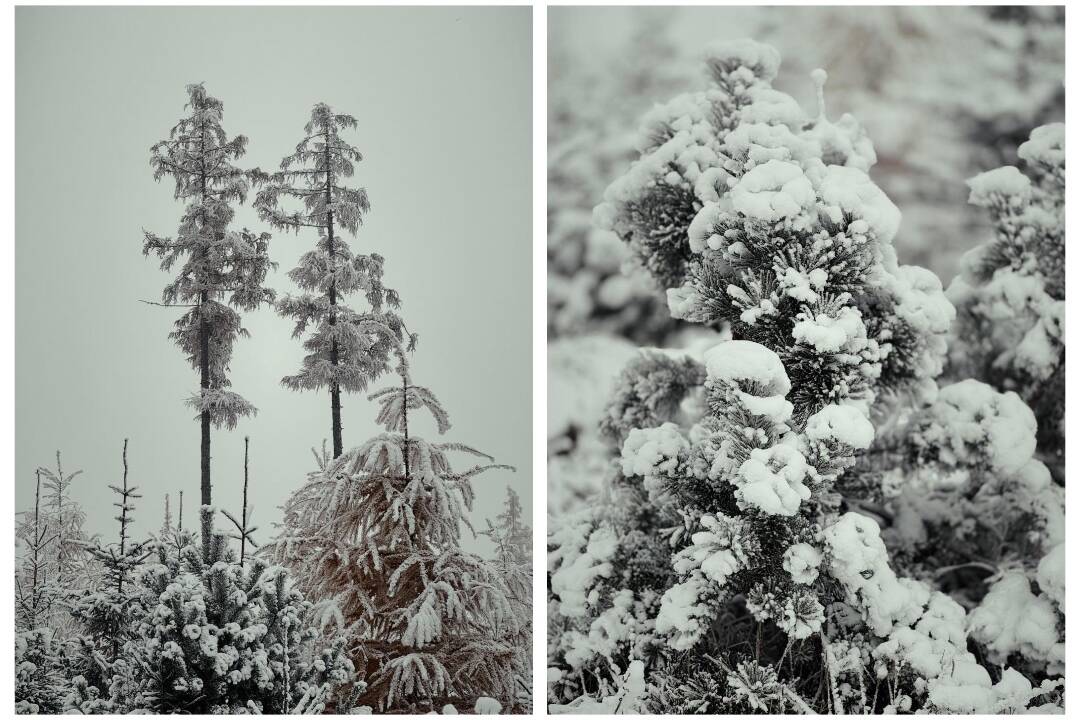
[
  {"x": 34, "y": 593},
  {"x": 1010, "y": 295},
  {"x": 342, "y": 357},
  {"x": 731, "y": 559},
  {"x": 108, "y": 613},
  {"x": 220, "y": 271},
  {"x": 39, "y": 674},
  {"x": 221, "y": 637},
  {"x": 67, "y": 518},
  {"x": 374, "y": 535}
]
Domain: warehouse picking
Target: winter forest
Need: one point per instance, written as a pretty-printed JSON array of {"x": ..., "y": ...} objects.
[
  {"x": 806, "y": 360},
  {"x": 395, "y": 572}
]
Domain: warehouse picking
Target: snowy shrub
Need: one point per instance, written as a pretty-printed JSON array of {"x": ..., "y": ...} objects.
[
  {"x": 374, "y": 538},
  {"x": 38, "y": 673},
  {"x": 221, "y": 637},
  {"x": 1010, "y": 295},
  {"x": 757, "y": 548}
]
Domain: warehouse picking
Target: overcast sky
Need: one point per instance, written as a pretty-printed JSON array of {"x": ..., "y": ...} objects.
[{"x": 443, "y": 101}]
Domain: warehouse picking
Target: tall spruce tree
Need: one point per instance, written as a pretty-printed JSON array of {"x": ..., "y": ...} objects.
[
  {"x": 341, "y": 356},
  {"x": 220, "y": 271}
]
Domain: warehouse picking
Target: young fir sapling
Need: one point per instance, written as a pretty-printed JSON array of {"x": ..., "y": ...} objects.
[
  {"x": 728, "y": 569},
  {"x": 34, "y": 596},
  {"x": 244, "y": 528},
  {"x": 341, "y": 357},
  {"x": 374, "y": 535},
  {"x": 221, "y": 271},
  {"x": 108, "y": 613}
]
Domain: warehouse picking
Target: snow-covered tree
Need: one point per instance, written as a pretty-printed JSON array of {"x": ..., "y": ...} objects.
[
  {"x": 374, "y": 537},
  {"x": 1010, "y": 295},
  {"x": 67, "y": 518},
  {"x": 221, "y": 271},
  {"x": 221, "y": 637},
  {"x": 39, "y": 678},
  {"x": 341, "y": 356},
  {"x": 35, "y": 588},
  {"x": 510, "y": 533},
  {"x": 108, "y": 612},
  {"x": 512, "y": 537},
  {"x": 731, "y": 565}
]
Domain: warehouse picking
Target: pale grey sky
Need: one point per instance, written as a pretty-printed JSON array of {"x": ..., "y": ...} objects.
[{"x": 443, "y": 101}]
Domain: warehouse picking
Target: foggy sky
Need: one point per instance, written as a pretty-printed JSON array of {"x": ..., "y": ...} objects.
[{"x": 443, "y": 101}]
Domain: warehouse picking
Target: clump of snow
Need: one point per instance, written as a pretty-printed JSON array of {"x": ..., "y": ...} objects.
[
  {"x": 682, "y": 302},
  {"x": 972, "y": 423},
  {"x": 613, "y": 626},
  {"x": 1013, "y": 619},
  {"x": 772, "y": 107},
  {"x": 771, "y": 480},
  {"x": 803, "y": 286},
  {"x": 802, "y": 560},
  {"x": 701, "y": 227},
  {"x": 760, "y": 142},
  {"x": 843, "y": 424},
  {"x": 737, "y": 360},
  {"x": 1046, "y": 145},
  {"x": 859, "y": 560},
  {"x": 773, "y": 191},
  {"x": 968, "y": 689},
  {"x": 999, "y": 184},
  {"x": 851, "y": 190},
  {"x": 711, "y": 552},
  {"x": 651, "y": 452},
  {"x": 830, "y": 334},
  {"x": 682, "y": 615},
  {"x": 934, "y": 644},
  {"x": 582, "y": 556}
]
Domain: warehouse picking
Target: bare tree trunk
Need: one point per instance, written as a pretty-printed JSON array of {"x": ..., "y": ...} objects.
[
  {"x": 335, "y": 391},
  {"x": 204, "y": 419},
  {"x": 243, "y": 510},
  {"x": 37, "y": 543},
  {"x": 405, "y": 419},
  {"x": 204, "y": 385},
  {"x": 59, "y": 514},
  {"x": 123, "y": 517}
]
